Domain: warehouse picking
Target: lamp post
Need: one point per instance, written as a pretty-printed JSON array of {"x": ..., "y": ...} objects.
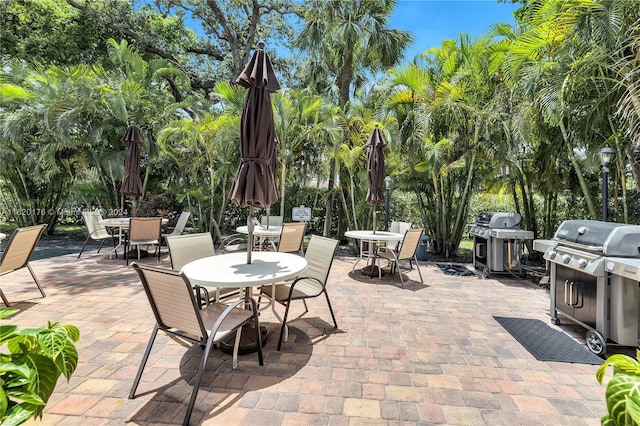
[
  {"x": 387, "y": 183},
  {"x": 606, "y": 155}
]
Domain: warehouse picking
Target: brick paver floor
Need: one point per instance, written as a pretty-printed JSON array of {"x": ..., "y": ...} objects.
[{"x": 430, "y": 353}]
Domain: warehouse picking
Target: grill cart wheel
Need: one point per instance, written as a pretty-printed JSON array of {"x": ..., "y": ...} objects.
[
  {"x": 596, "y": 342},
  {"x": 485, "y": 272}
]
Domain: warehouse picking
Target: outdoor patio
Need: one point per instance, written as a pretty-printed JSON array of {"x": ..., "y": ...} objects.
[{"x": 431, "y": 353}]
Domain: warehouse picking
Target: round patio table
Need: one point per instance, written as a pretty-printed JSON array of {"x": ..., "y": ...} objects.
[
  {"x": 263, "y": 234},
  {"x": 372, "y": 239},
  {"x": 232, "y": 271}
]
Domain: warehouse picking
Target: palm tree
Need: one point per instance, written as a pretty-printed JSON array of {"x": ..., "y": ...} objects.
[
  {"x": 349, "y": 39},
  {"x": 302, "y": 124},
  {"x": 47, "y": 117}
]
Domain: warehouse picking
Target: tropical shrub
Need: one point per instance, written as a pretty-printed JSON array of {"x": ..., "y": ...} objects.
[
  {"x": 623, "y": 390},
  {"x": 31, "y": 361},
  {"x": 163, "y": 205}
]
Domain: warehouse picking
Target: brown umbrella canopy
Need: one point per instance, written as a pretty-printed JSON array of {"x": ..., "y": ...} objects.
[
  {"x": 132, "y": 184},
  {"x": 375, "y": 168},
  {"x": 254, "y": 183}
]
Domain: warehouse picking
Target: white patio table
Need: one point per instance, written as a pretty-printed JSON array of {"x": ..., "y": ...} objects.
[
  {"x": 262, "y": 233},
  {"x": 232, "y": 271},
  {"x": 372, "y": 239}
]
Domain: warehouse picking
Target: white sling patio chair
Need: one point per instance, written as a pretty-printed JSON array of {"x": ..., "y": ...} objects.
[
  {"x": 180, "y": 225},
  {"x": 187, "y": 248},
  {"x": 292, "y": 237},
  {"x": 95, "y": 231},
  {"x": 398, "y": 228},
  {"x": 143, "y": 231},
  {"x": 405, "y": 251},
  {"x": 177, "y": 312},
  {"x": 313, "y": 283},
  {"x": 16, "y": 254}
]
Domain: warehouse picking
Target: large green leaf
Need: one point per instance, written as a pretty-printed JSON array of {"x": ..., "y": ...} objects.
[
  {"x": 7, "y": 312},
  {"x": 22, "y": 370},
  {"x": 18, "y": 414},
  {"x": 47, "y": 376},
  {"x": 29, "y": 397},
  {"x": 7, "y": 332},
  {"x": 73, "y": 332},
  {"x": 52, "y": 340},
  {"x": 4, "y": 402},
  {"x": 622, "y": 389},
  {"x": 67, "y": 361},
  {"x": 621, "y": 364}
]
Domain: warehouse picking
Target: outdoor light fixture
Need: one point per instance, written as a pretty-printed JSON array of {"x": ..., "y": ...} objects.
[
  {"x": 606, "y": 155},
  {"x": 387, "y": 183}
]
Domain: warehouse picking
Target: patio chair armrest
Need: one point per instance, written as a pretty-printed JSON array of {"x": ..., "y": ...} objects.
[
  {"x": 298, "y": 279},
  {"x": 203, "y": 294},
  {"x": 228, "y": 310},
  {"x": 234, "y": 238},
  {"x": 102, "y": 229}
]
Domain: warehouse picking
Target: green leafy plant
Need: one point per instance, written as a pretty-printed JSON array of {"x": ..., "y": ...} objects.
[
  {"x": 159, "y": 205},
  {"x": 623, "y": 390},
  {"x": 31, "y": 361}
]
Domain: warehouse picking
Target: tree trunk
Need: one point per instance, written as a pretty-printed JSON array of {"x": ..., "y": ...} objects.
[
  {"x": 328, "y": 216},
  {"x": 576, "y": 167}
]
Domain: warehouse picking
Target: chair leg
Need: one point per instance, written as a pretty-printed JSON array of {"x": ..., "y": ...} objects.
[
  {"x": 126, "y": 251},
  {"x": 333, "y": 317},
  {"x": 418, "y": 268},
  {"x": 36, "y": 280},
  {"x": 101, "y": 244},
  {"x": 284, "y": 323},
  {"x": 84, "y": 245},
  {"x": 256, "y": 322},
  {"x": 143, "y": 362},
  {"x": 113, "y": 237},
  {"x": 397, "y": 266},
  {"x": 4, "y": 299}
]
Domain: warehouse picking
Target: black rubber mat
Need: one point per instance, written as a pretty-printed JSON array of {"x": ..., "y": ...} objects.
[
  {"x": 458, "y": 270},
  {"x": 546, "y": 343}
]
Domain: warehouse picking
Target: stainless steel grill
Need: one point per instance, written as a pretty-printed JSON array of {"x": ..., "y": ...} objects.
[
  {"x": 498, "y": 243},
  {"x": 595, "y": 275}
]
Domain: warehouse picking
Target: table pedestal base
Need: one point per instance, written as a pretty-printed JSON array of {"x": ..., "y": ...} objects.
[
  {"x": 248, "y": 341},
  {"x": 133, "y": 254},
  {"x": 372, "y": 270}
]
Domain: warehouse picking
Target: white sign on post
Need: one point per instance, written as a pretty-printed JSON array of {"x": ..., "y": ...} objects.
[{"x": 301, "y": 214}]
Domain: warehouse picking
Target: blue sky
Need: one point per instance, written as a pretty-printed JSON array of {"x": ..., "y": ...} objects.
[{"x": 432, "y": 21}]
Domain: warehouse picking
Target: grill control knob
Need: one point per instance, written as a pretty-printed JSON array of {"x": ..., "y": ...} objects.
[
  {"x": 552, "y": 254},
  {"x": 610, "y": 266},
  {"x": 582, "y": 263},
  {"x": 566, "y": 258}
]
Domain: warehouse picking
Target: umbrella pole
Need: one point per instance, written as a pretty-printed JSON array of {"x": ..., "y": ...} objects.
[
  {"x": 250, "y": 228},
  {"x": 374, "y": 219},
  {"x": 268, "y": 209}
]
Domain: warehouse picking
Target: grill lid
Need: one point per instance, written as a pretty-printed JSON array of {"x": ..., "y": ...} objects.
[
  {"x": 498, "y": 220},
  {"x": 612, "y": 239}
]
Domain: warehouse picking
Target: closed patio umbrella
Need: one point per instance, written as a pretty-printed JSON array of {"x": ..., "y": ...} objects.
[
  {"x": 254, "y": 183},
  {"x": 375, "y": 171},
  {"x": 132, "y": 184}
]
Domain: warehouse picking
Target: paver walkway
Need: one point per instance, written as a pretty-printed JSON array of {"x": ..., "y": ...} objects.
[{"x": 427, "y": 354}]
